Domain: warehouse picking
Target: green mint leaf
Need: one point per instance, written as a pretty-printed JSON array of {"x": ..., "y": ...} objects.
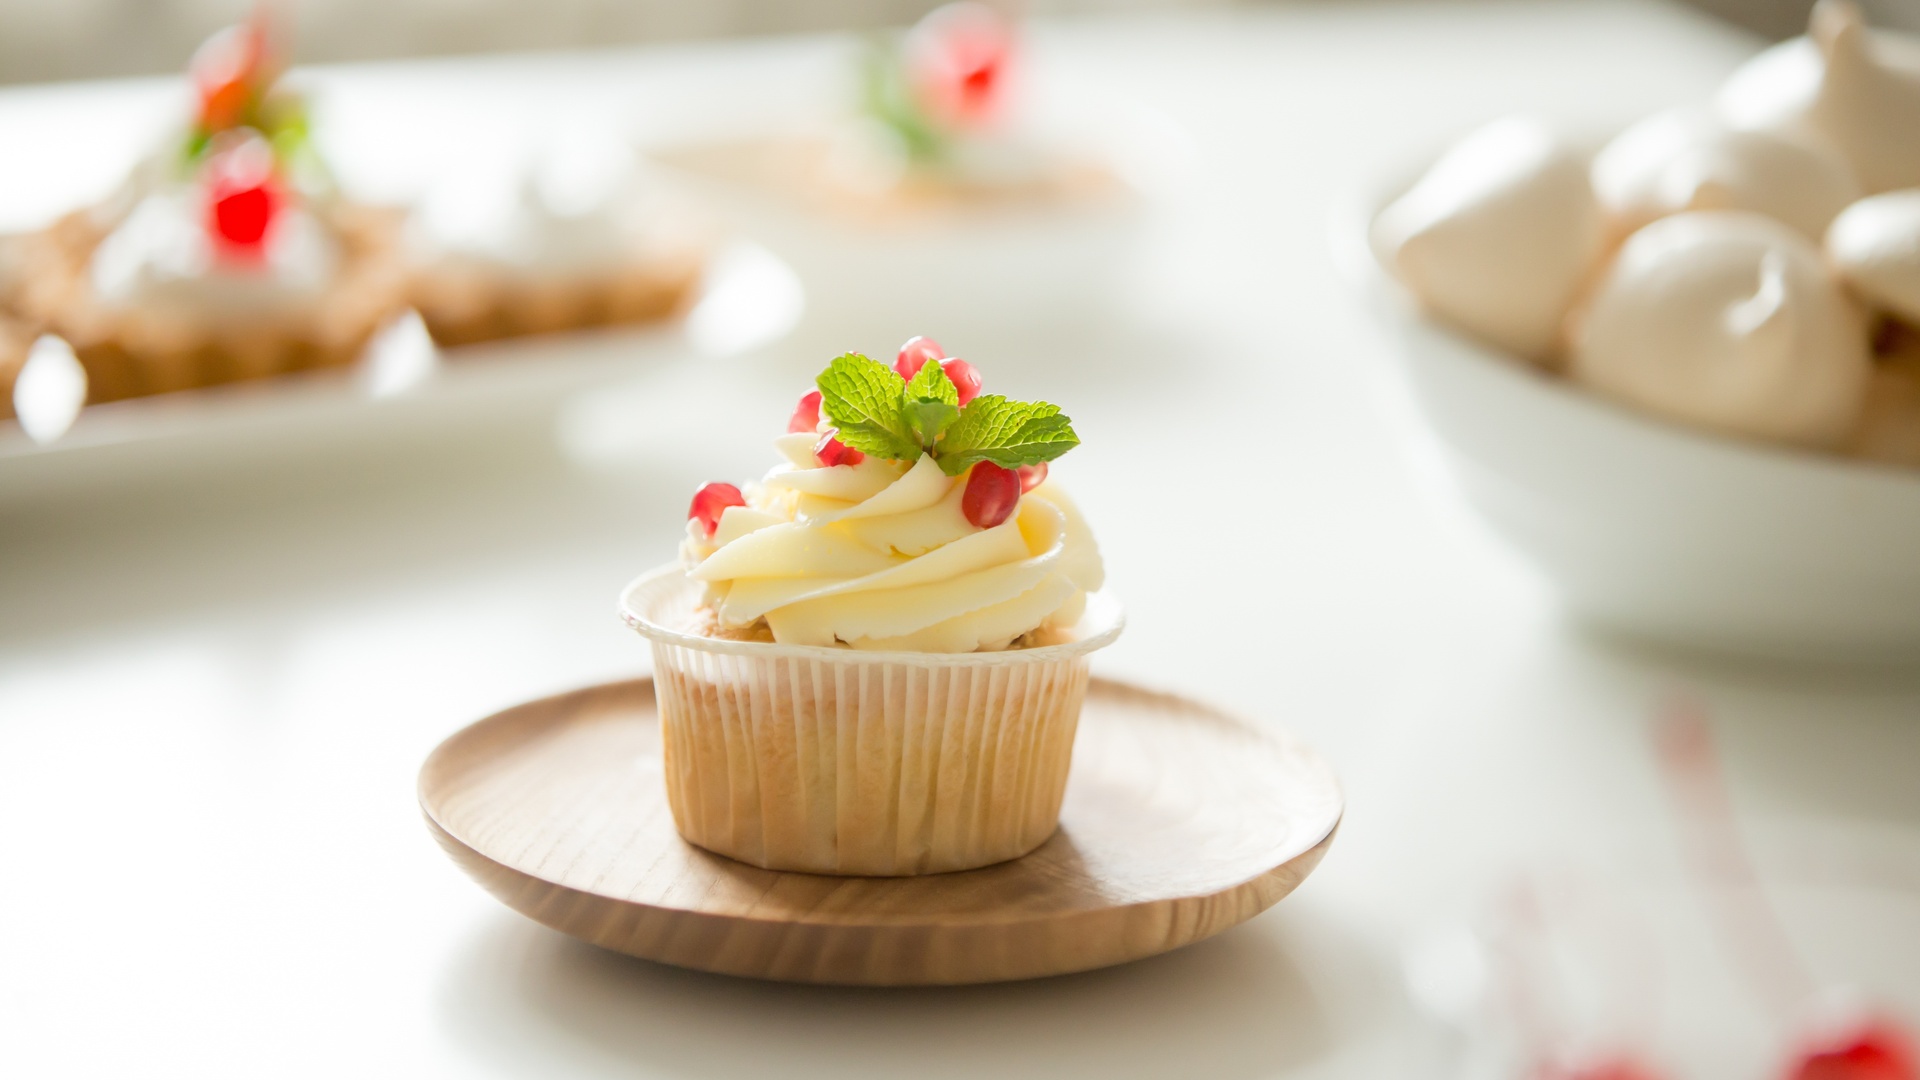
[
  {"x": 931, "y": 384},
  {"x": 931, "y": 418},
  {"x": 1008, "y": 433},
  {"x": 888, "y": 99},
  {"x": 865, "y": 399}
]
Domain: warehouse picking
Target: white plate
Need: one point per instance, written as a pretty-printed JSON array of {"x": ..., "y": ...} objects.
[{"x": 747, "y": 300}]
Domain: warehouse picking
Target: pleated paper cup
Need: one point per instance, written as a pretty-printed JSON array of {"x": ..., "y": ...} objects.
[{"x": 840, "y": 761}]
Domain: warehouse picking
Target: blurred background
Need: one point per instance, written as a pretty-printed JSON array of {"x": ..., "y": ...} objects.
[
  {"x": 235, "y": 619},
  {"x": 77, "y": 39}
]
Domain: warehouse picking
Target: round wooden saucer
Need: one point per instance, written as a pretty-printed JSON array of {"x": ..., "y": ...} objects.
[{"x": 1179, "y": 822}]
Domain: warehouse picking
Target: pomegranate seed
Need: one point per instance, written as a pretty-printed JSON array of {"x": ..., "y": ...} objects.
[
  {"x": 710, "y": 502},
  {"x": 1032, "y": 476},
  {"x": 992, "y": 493},
  {"x": 1875, "y": 1052},
  {"x": 241, "y": 217},
  {"x": 832, "y": 451},
  {"x": 806, "y": 415},
  {"x": 241, "y": 196},
  {"x": 965, "y": 378},
  {"x": 914, "y": 354}
]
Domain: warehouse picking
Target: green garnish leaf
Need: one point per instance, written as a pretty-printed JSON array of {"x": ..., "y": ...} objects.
[
  {"x": 930, "y": 383},
  {"x": 930, "y": 419},
  {"x": 1008, "y": 433},
  {"x": 866, "y": 400}
]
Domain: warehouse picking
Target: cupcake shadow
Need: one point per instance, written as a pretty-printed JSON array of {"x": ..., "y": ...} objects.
[{"x": 530, "y": 1001}]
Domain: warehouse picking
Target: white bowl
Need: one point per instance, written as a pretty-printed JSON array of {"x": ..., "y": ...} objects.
[{"x": 1647, "y": 527}]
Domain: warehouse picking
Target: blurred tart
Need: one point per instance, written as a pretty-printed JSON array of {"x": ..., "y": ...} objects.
[
  {"x": 932, "y": 136},
  {"x": 225, "y": 256},
  {"x": 527, "y": 259}
]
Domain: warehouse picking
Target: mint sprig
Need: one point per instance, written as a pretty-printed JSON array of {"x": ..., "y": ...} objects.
[
  {"x": 877, "y": 412},
  {"x": 1008, "y": 433},
  {"x": 865, "y": 399}
]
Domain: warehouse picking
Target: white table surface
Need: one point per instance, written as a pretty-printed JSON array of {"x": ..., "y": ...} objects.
[{"x": 216, "y": 683}]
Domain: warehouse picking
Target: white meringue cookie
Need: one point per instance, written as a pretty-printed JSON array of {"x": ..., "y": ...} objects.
[
  {"x": 1686, "y": 160},
  {"x": 1875, "y": 246},
  {"x": 1856, "y": 88},
  {"x": 1498, "y": 236},
  {"x": 1730, "y": 321}
]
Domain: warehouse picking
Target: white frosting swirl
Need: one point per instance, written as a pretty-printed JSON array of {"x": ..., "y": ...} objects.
[
  {"x": 1682, "y": 160},
  {"x": 1875, "y": 246},
  {"x": 1498, "y": 236},
  {"x": 1856, "y": 88},
  {"x": 879, "y": 555},
  {"x": 1728, "y": 320},
  {"x": 160, "y": 258}
]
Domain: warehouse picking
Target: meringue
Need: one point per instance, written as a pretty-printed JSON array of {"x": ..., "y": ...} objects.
[
  {"x": 1875, "y": 247},
  {"x": 1684, "y": 160},
  {"x": 1498, "y": 236},
  {"x": 1858, "y": 89},
  {"x": 1730, "y": 321}
]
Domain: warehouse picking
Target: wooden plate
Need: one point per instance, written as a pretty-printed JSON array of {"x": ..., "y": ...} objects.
[{"x": 1179, "y": 822}]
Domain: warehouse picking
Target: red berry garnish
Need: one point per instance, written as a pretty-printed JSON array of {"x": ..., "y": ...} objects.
[
  {"x": 956, "y": 59},
  {"x": 242, "y": 195},
  {"x": 1032, "y": 476},
  {"x": 227, "y": 70},
  {"x": 1877, "y": 1051},
  {"x": 806, "y": 415},
  {"x": 965, "y": 378},
  {"x": 710, "y": 502},
  {"x": 991, "y": 495},
  {"x": 914, "y": 355},
  {"x": 832, "y": 451},
  {"x": 241, "y": 217}
]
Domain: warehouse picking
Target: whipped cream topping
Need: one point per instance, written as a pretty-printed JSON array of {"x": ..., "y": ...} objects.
[
  {"x": 1875, "y": 246},
  {"x": 1498, "y": 236},
  {"x": 1684, "y": 160},
  {"x": 560, "y": 215},
  {"x": 1728, "y": 320},
  {"x": 159, "y": 258},
  {"x": 1856, "y": 88},
  {"x": 880, "y": 555}
]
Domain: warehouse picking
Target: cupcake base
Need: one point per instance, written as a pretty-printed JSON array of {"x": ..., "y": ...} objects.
[
  {"x": 838, "y": 761},
  {"x": 873, "y": 769}
]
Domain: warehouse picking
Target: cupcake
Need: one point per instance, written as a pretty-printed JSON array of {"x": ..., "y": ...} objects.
[
  {"x": 548, "y": 251},
  {"x": 873, "y": 661},
  {"x": 227, "y": 255},
  {"x": 938, "y": 163}
]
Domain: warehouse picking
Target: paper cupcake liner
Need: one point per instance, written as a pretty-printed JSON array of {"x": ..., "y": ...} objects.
[{"x": 838, "y": 761}]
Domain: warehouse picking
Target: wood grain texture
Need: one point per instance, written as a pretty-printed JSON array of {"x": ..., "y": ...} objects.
[{"x": 1179, "y": 822}]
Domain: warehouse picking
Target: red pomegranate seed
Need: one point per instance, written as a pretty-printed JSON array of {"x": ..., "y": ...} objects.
[
  {"x": 992, "y": 493},
  {"x": 806, "y": 415},
  {"x": 965, "y": 378},
  {"x": 241, "y": 217},
  {"x": 710, "y": 502},
  {"x": 832, "y": 451},
  {"x": 1877, "y": 1051},
  {"x": 1032, "y": 476},
  {"x": 914, "y": 354}
]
